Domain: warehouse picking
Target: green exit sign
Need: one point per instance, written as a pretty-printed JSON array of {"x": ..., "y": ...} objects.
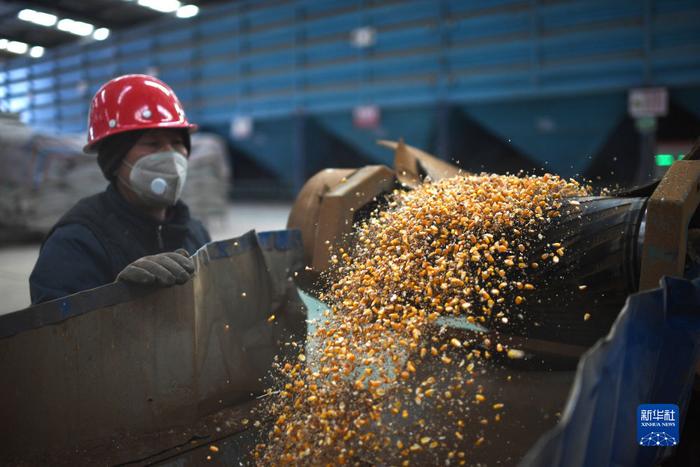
[{"x": 664, "y": 160}]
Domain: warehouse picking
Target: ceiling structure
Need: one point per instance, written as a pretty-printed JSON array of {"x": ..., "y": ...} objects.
[{"x": 110, "y": 14}]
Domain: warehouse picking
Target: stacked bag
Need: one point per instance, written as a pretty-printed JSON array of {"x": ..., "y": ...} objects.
[{"x": 43, "y": 175}]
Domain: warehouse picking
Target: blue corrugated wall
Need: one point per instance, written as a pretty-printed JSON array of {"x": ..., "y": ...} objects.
[
  {"x": 550, "y": 129},
  {"x": 544, "y": 75}
]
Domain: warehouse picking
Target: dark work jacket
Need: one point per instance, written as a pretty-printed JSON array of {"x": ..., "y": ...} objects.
[{"x": 99, "y": 237}]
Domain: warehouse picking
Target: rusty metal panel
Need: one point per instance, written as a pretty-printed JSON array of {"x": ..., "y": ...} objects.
[
  {"x": 153, "y": 359},
  {"x": 412, "y": 165},
  {"x": 304, "y": 212},
  {"x": 669, "y": 212},
  {"x": 336, "y": 216}
]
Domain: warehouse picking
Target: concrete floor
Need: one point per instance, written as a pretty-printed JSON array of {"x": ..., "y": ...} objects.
[{"x": 16, "y": 262}]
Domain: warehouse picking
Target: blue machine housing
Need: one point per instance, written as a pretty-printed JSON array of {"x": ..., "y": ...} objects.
[{"x": 549, "y": 80}]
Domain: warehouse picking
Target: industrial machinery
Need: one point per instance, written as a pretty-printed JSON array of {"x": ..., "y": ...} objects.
[
  {"x": 617, "y": 244},
  {"x": 127, "y": 376},
  {"x": 131, "y": 375}
]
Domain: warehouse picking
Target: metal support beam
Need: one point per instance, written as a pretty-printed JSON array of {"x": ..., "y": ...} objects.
[
  {"x": 669, "y": 211},
  {"x": 299, "y": 176}
]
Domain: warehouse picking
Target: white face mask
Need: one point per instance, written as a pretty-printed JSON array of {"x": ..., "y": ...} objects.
[{"x": 158, "y": 178}]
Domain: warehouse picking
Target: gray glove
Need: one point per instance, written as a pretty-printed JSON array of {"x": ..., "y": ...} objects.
[{"x": 163, "y": 269}]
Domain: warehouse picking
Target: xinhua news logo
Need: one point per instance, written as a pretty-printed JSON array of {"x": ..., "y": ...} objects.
[{"x": 657, "y": 425}]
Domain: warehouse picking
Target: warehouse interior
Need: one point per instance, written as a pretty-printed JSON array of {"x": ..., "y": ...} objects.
[{"x": 315, "y": 120}]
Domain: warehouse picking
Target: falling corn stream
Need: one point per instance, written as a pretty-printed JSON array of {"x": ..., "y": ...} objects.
[{"x": 461, "y": 247}]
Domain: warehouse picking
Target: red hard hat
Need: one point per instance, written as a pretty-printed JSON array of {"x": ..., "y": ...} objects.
[{"x": 133, "y": 102}]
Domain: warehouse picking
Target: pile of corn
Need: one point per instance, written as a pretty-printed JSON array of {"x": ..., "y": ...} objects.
[{"x": 458, "y": 247}]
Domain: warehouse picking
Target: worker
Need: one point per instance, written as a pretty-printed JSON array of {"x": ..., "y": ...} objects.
[{"x": 137, "y": 230}]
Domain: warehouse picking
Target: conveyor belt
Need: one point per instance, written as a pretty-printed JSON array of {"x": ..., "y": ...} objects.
[{"x": 596, "y": 274}]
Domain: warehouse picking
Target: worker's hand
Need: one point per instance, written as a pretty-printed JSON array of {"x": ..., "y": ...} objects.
[{"x": 163, "y": 269}]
